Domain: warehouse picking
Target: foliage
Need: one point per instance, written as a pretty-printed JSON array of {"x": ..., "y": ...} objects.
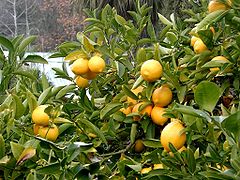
[{"x": 96, "y": 139}]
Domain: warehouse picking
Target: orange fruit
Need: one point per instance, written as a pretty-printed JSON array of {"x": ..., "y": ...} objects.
[
  {"x": 162, "y": 96},
  {"x": 96, "y": 64},
  {"x": 193, "y": 40},
  {"x": 157, "y": 115},
  {"x": 215, "y": 6},
  {"x": 136, "y": 91},
  {"x": 89, "y": 75},
  {"x": 80, "y": 66},
  {"x": 199, "y": 47},
  {"x": 35, "y": 129},
  {"x": 81, "y": 82},
  {"x": 222, "y": 58},
  {"x": 139, "y": 146},
  {"x": 151, "y": 70},
  {"x": 213, "y": 30},
  {"x": 127, "y": 110},
  {"x": 49, "y": 133},
  {"x": 147, "y": 110},
  {"x": 173, "y": 133},
  {"x": 39, "y": 117}
]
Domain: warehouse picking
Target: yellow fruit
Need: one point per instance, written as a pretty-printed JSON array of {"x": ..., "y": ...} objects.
[
  {"x": 96, "y": 64},
  {"x": 215, "y": 6},
  {"x": 222, "y": 58},
  {"x": 193, "y": 40},
  {"x": 199, "y": 47},
  {"x": 157, "y": 166},
  {"x": 35, "y": 129},
  {"x": 157, "y": 115},
  {"x": 127, "y": 110},
  {"x": 39, "y": 117},
  {"x": 49, "y": 133},
  {"x": 146, "y": 170},
  {"x": 136, "y": 91},
  {"x": 81, "y": 82},
  {"x": 139, "y": 146},
  {"x": 173, "y": 133},
  {"x": 151, "y": 70},
  {"x": 80, "y": 66},
  {"x": 89, "y": 75},
  {"x": 147, "y": 110},
  {"x": 180, "y": 150},
  {"x": 162, "y": 96}
]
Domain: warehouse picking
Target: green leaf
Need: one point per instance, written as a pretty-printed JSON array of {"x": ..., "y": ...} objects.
[
  {"x": 153, "y": 143},
  {"x": 94, "y": 129},
  {"x": 27, "y": 41},
  {"x": 2, "y": 147},
  {"x": 110, "y": 109},
  {"x": 171, "y": 37},
  {"x": 120, "y": 20},
  {"x": 207, "y": 95},
  {"x": 138, "y": 82},
  {"x": 207, "y": 37},
  {"x": 215, "y": 175},
  {"x": 150, "y": 30},
  {"x": 190, "y": 160},
  {"x": 26, "y": 74},
  {"x": 211, "y": 18},
  {"x": 191, "y": 111},
  {"x": 128, "y": 92},
  {"x": 164, "y": 20},
  {"x": 232, "y": 124},
  {"x": 65, "y": 90},
  {"x": 87, "y": 45},
  {"x": 35, "y": 59},
  {"x": 133, "y": 133},
  {"x": 16, "y": 149},
  {"x": 45, "y": 83},
  {"x": 20, "y": 109},
  {"x": 26, "y": 154},
  {"x": 50, "y": 169},
  {"x": 141, "y": 55},
  {"x": 6, "y": 43},
  {"x": 45, "y": 95},
  {"x": 32, "y": 101}
]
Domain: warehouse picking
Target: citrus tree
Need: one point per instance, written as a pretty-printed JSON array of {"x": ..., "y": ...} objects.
[{"x": 143, "y": 103}]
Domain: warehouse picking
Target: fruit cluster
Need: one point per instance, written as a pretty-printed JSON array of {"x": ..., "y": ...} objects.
[
  {"x": 173, "y": 132},
  {"x": 43, "y": 126},
  {"x": 86, "y": 70}
]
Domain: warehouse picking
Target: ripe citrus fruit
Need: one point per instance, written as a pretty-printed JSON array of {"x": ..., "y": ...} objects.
[
  {"x": 127, "y": 110},
  {"x": 146, "y": 110},
  {"x": 80, "y": 66},
  {"x": 35, "y": 129},
  {"x": 193, "y": 40},
  {"x": 151, "y": 70},
  {"x": 212, "y": 29},
  {"x": 180, "y": 150},
  {"x": 199, "y": 46},
  {"x": 96, "y": 64},
  {"x": 89, "y": 75},
  {"x": 222, "y": 58},
  {"x": 215, "y": 6},
  {"x": 39, "y": 117},
  {"x": 139, "y": 146},
  {"x": 157, "y": 166},
  {"x": 162, "y": 96},
  {"x": 157, "y": 115},
  {"x": 81, "y": 82},
  {"x": 136, "y": 91},
  {"x": 146, "y": 170},
  {"x": 173, "y": 133},
  {"x": 49, "y": 133}
]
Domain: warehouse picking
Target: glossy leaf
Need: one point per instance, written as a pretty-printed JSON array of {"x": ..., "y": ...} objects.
[
  {"x": 207, "y": 95},
  {"x": 110, "y": 109},
  {"x": 35, "y": 59}
]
